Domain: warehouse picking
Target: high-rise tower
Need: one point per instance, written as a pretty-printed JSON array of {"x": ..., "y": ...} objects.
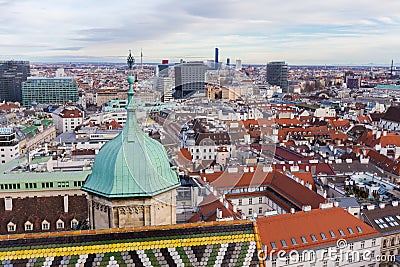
[
  {"x": 277, "y": 74},
  {"x": 12, "y": 74}
]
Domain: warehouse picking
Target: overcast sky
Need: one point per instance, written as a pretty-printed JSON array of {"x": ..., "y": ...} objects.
[{"x": 256, "y": 31}]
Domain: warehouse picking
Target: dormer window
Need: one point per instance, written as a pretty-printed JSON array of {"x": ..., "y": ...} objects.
[
  {"x": 74, "y": 224},
  {"x": 60, "y": 224},
  {"x": 11, "y": 227},
  {"x": 45, "y": 225},
  {"x": 28, "y": 226}
]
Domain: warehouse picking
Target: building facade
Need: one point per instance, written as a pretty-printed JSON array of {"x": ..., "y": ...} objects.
[
  {"x": 9, "y": 146},
  {"x": 12, "y": 75},
  {"x": 66, "y": 119},
  {"x": 49, "y": 91},
  {"x": 277, "y": 74},
  {"x": 189, "y": 78}
]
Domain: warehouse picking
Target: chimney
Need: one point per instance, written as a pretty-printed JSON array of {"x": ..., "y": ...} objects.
[
  {"x": 395, "y": 203},
  {"x": 292, "y": 211},
  {"x": 336, "y": 204},
  {"x": 325, "y": 206},
  {"x": 251, "y": 169},
  {"x": 8, "y": 203},
  {"x": 382, "y": 205},
  {"x": 371, "y": 207},
  {"x": 306, "y": 208},
  {"x": 66, "y": 203}
]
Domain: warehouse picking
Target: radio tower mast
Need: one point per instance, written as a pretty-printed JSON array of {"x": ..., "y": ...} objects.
[{"x": 141, "y": 58}]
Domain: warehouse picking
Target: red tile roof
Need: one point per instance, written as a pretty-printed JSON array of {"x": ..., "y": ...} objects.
[
  {"x": 277, "y": 182},
  {"x": 289, "y": 122},
  {"x": 71, "y": 113},
  {"x": 288, "y": 226},
  {"x": 208, "y": 210}
]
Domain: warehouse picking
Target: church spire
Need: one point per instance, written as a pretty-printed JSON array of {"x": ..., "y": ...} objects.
[{"x": 131, "y": 81}]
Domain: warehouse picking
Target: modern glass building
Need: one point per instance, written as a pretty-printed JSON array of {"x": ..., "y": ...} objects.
[
  {"x": 49, "y": 91},
  {"x": 277, "y": 74},
  {"x": 190, "y": 78},
  {"x": 12, "y": 74}
]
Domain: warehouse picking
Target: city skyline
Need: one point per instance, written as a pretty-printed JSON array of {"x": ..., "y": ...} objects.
[{"x": 315, "y": 32}]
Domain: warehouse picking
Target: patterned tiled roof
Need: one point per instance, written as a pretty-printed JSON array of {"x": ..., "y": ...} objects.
[{"x": 206, "y": 244}]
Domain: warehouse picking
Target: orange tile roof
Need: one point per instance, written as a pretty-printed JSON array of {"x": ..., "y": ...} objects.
[
  {"x": 306, "y": 177},
  {"x": 277, "y": 182},
  {"x": 289, "y": 122},
  {"x": 288, "y": 226},
  {"x": 186, "y": 153},
  {"x": 390, "y": 139},
  {"x": 208, "y": 210}
]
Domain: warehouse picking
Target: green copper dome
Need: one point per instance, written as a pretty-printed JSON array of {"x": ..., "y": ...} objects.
[{"x": 132, "y": 164}]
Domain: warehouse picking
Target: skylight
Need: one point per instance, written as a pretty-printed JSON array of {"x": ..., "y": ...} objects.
[
  {"x": 381, "y": 223},
  {"x": 350, "y": 231},
  {"x": 332, "y": 234},
  {"x": 273, "y": 245},
  {"x": 283, "y": 243},
  {"x": 323, "y": 236},
  {"x": 359, "y": 229},
  {"x": 313, "y": 238},
  {"x": 303, "y": 239},
  {"x": 294, "y": 242},
  {"x": 341, "y": 232},
  {"x": 391, "y": 221}
]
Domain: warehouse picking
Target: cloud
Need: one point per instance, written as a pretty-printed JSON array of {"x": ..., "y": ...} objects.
[
  {"x": 71, "y": 48},
  {"x": 254, "y": 30}
]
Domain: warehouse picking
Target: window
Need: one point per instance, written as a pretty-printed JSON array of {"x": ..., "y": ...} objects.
[
  {"x": 373, "y": 242},
  {"x": 250, "y": 201},
  {"x": 273, "y": 245},
  {"x": 240, "y": 202},
  {"x": 250, "y": 211},
  {"x": 350, "y": 258},
  {"x": 28, "y": 226},
  {"x": 283, "y": 242},
  {"x": 45, "y": 225},
  {"x": 350, "y": 231},
  {"x": 323, "y": 236},
  {"x": 303, "y": 239},
  {"x": 332, "y": 234},
  {"x": 60, "y": 224},
  {"x": 260, "y": 200},
  {"x": 362, "y": 244},
  {"x": 74, "y": 224},
  {"x": 351, "y": 246},
  {"x": 313, "y": 238},
  {"x": 11, "y": 227},
  {"x": 260, "y": 210},
  {"x": 341, "y": 232}
]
